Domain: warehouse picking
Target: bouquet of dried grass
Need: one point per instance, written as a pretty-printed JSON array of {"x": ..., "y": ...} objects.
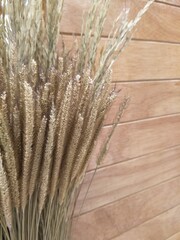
[{"x": 51, "y": 110}]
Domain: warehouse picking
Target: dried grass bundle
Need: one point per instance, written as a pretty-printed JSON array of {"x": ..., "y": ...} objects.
[{"x": 51, "y": 111}]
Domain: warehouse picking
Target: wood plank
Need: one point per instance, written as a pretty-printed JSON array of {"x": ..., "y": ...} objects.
[
  {"x": 74, "y": 10},
  {"x": 175, "y": 237},
  {"x": 173, "y": 2},
  {"x": 160, "y": 227},
  {"x": 120, "y": 180},
  {"x": 161, "y": 22},
  {"x": 143, "y": 60},
  {"x": 139, "y": 138},
  {"x": 147, "y": 99},
  {"x": 109, "y": 221},
  {"x": 148, "y": 60}
]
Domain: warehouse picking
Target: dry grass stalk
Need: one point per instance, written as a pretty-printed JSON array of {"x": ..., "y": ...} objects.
[
  {"x": 6, "y": 204},
  {"x": 52, "y": 108}
]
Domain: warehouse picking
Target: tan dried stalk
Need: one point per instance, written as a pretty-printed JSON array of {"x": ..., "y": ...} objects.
[
  {"x": 6, "y": 204},
  {"x": 63, "y": 118},
  {"x": 46, "y": 167},
  {"x": 9, "y": 156},
  {"x": 27, "y": 141},
  {"x": 52, "y": 107},
  {"x": 37, "y": 156}
]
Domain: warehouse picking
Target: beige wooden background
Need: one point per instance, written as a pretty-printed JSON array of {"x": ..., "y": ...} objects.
[{"x": 135, "y": 194}]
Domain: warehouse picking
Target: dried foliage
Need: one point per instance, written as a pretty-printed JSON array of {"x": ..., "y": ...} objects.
[{"x": 52, "y": 108}]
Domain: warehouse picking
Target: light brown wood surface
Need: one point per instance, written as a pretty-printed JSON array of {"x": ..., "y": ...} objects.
[
  {"x": 143, "y": 60},
  {"x": 147, "y": 100},
  {"x": 110, "y": 221},
  {"x": 120, "y": 180},
  {"x": 175, "y": 236},
  {"x": 173, "y": 2},
  {"x": 160, "y": 23},
  {"x": 169, "y": 222},
  {"x": 135, "y": 193},
  {"x": 148, "y": 60},
  {"x": 135, "y": 139}
]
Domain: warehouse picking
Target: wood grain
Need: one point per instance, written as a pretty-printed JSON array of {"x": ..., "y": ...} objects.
[
  {"x": 148, "y": 60},
  {"x": 161, "y": 227},
  {"x": 112, "y": 220},
  {"x": 147, "y": 100},
  {"x": 135, "y": 195},
  {"x": 75, "y": 10},
  {"x": 175, "y": 237},
  {"x": 120, "y": 180},
  {"x": 139, "y": 138},
  {"x": 142, "y": 60},
  {"x": 173, "y": 2},
  {"x": 161, "y": 22}
]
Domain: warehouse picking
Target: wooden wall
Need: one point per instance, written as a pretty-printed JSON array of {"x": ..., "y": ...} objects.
[{"x": 135, "y": 194}]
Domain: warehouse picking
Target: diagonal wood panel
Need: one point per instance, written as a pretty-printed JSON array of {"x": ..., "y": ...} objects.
[
  {"x": 148, "y": 60},
  {"x": 175, "y": 237},
  {"x": 174, "y": 2},
  {"x": 130, "y": 200},
  {"x": 143, "y": 60},
  {"x": 147, "y": 100},
  {"x": 139, "y": 138},
  {"x": 161, "y": 227},
  {"x": 112, "y": 220},
  {"x": 159, "y": 24},
  {"x": 120, "y": 180}
]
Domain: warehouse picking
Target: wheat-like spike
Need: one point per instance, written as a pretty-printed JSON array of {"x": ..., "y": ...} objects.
[
  {"x": 38, "y": 111},
  {"x": 37, "y": 156},
  {"x": 73, "y": 113},
  {"x": 63, "y": 81},
  {"x": 69, "y": 159},
  {"x": 22, "y": 77},
  {"x": 120, "y": 113},
  {"x": 87, "y": 138},
  {"x": 45, "y": 97},
  {"x": 12, "y": 93},
  {"x": 10, "y": 158},
  {"x": 86, "y": 89},
  {"x": 1, "y": 205},
  {"x": 52, "y": 77},
  {"x": 49, "y": 31},
  {"x": 60, "y": 63},
  {"x": 97, "y": 129},
  {"x": 61, "y": 138},
  {"x": 28, "y": 141},
  {"x": 85, "y": 39},
  {"x": 17, "y": 138},
  {"x": 75, "y": 100},
  {"x": 34, "y": 72},
  {"x": 83, "y": 167},
  {"x": 5, "y": 195},
  {"x": 95, "y": 39},
  {"x": 3, "y": 81},
  {"x": 47, "y": 160}
]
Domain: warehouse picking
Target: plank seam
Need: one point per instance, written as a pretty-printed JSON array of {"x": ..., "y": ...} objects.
[
  {"x": 169, "y": 4},
  {"x": 150, "y": 219},
  {"x": 144, "y": 119},
  {"x": 154, "y": 41},
  {"x": 169, "y": 238},
  {"x": 145, "y": 80},
  {"x": 71, "y": 34},
  {"x": 127, "y": 196},
  {"x": 135, "y": 158}
]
